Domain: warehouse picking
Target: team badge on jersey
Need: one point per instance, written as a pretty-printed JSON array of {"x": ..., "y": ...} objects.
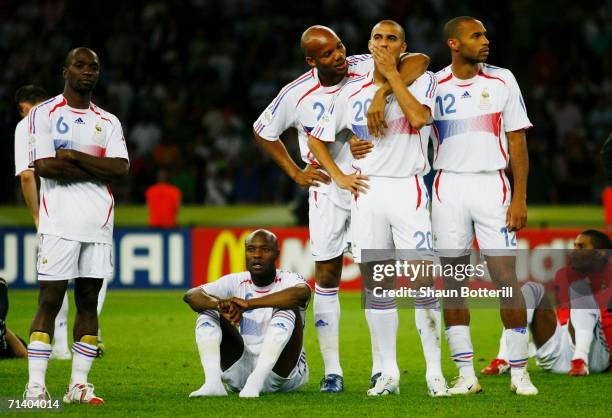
[
  {"x": 485, "y": 101},
  {"x": 266, "y": 117},
  {"x": 98, "y": 136}
]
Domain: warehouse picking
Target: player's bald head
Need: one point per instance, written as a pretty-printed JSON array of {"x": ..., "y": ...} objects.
[
  {"x": 387, "y": 22},
  {"x": 81, "y": 49},
  {"x": 453, "y": 28},
  {"x": 264, "y": 235},
  {"x": 316, "y": 37}
]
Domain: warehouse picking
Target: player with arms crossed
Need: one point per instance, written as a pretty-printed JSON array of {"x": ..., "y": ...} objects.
[
  {"x": 77, "y": 149},
  {"x": 300, "y": 104},
  {"x": 577, "y": 339},
  {"x": 383, "y": 218},
  {"x": 26, "y": 98},
  {"x": 479, "y": 127},
  {"x": 267, "y": 353}
]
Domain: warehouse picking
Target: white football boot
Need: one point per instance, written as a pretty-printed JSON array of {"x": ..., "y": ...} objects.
[
  {"x": 464, "y": 385},
  {"x": 385, "y": 385}
]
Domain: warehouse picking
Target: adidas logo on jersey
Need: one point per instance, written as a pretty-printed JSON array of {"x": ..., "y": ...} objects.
[
  {"x": 466, "y": 95},
  {"x": 79, "y": 121}
]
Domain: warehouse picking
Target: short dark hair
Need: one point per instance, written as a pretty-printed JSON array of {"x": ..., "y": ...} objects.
[
  {"x": 30, "y": 94},
  {"x": 600, "y": 240},
  {"x": 451, "y": 28}
]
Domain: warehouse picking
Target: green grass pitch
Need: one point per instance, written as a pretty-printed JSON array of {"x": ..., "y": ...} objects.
[{"x": 151, "y": 365}]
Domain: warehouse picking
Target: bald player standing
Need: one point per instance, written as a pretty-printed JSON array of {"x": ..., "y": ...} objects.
[{"x": 299, "y": 105}]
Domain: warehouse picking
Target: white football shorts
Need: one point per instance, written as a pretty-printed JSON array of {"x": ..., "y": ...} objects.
[
  {"x": 464, "y": 203},
  {"x": 556, "y": 354},
  {"x": 62, "y": 259},
  {"x": 329, "y": 225},
  {"x": 393, "y": 214},
  {"x": 236, "y": 376}
]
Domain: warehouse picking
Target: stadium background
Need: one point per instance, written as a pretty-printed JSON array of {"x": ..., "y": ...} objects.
[{"x": 187, "y": 79}]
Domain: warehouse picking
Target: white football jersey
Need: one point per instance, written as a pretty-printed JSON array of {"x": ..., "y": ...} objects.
[
  {"x": 402, "y": 151},
  {"x": 301, "y": 103},
  {"x": 471, "y": 118},
  {"x": 255, "y": 322},
  {"x": 22, "y": 160},
  {"x": 80, "y": 211}
]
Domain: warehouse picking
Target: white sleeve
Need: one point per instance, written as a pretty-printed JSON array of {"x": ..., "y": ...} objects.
[
  {"x": 291, "y": 279},
  {"x": 360, "y": 64},
  {"x": 334, "y": 118},
  {"x": 277, "y": 117},
  {"x": 514, "y": 112},
  {"x": 22, "y": 136},
  {"x": 40, "y": 143},
  {"x": 424, "y": 89},
  {"x": 116, "y": 146},
  {"x": 222, "y": 288}
]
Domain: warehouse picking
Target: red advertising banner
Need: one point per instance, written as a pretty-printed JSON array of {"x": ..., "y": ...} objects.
[{"x": 220, "y": 251}]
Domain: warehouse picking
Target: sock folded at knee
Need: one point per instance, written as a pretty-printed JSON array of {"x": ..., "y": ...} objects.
[
  {"x": 461, "y": 348},
  {"x": 326, "y": 308},
  {"x": 39, "y": 351}
]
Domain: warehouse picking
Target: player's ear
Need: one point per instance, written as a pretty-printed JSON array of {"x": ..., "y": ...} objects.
[
  {"x": 452, "y": 43},
  {"x": 404, "y": 46},
  {"x": 311, "y": 61},
  {"x": 64, "y": 72}
]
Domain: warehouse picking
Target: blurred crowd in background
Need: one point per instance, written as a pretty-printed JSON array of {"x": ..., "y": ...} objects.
[{"x": 187, "y": 79}]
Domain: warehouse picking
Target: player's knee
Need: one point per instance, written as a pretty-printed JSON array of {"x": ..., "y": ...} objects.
[{"x": 327, "y": 276}]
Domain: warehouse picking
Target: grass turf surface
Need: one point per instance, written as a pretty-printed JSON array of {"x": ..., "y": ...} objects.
[
  {"x": 151, "y": 365},
  {"x": 252, "y": 215}
]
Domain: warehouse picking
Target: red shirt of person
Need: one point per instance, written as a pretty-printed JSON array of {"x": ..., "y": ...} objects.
[{"x": 163, "y": 201}]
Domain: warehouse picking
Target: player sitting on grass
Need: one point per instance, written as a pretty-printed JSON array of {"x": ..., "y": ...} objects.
[
  {"x": 265, "y": 354},
  {"x": 575, "y": 340}
]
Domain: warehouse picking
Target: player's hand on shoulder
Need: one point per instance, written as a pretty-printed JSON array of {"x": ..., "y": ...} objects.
[
  {"x": 385, "y": 62},
  {"x": 355, "y": 183},
  {"x": 516, "y": 216},
  {"x": 360, "y": 148},
  {"x": 376, "y": 115},
  {"x": 311, "y": 176}
]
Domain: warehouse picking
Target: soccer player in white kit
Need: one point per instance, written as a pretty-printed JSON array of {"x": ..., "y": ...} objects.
[
  {"x": 78, "y": 150},
  {"x": 300, "y": 104},
  {"x": 479, "y": 127},
  {"x": 266, "y": 354},
  {"x": 26, "y": 98},
  {"x": 383, "y": 217}
]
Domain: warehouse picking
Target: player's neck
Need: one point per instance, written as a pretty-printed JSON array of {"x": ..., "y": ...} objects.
[
  {"x": 464, "y": 70},
  {"x": 77, "y": 100},
  {"x": 328, "y": 81},
  {"x": 263, "y": 281}
]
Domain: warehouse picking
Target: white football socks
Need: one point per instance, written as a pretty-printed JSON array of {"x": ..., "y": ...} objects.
[
  {"x": 428, "y": 320},
  {"x": 517, "y": 343},
  {"x": 277, "y": 336},
  {"x": 208, "y": 339},
  {"x": 326, "y": 307},
  {"x": 84, "y": 355},
  {"x": 583, "y": 316},
  {"x": 384, "y": 321},
  {"x": 38, "y": 359},
  {"x": 376, "y": 361},
  {"x": 462, "y": 351}
]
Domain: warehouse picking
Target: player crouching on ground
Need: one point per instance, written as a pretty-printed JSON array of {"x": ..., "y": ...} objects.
[
  {"x": 577, "y": 340},
  {"x": 265, "y": 353}
]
